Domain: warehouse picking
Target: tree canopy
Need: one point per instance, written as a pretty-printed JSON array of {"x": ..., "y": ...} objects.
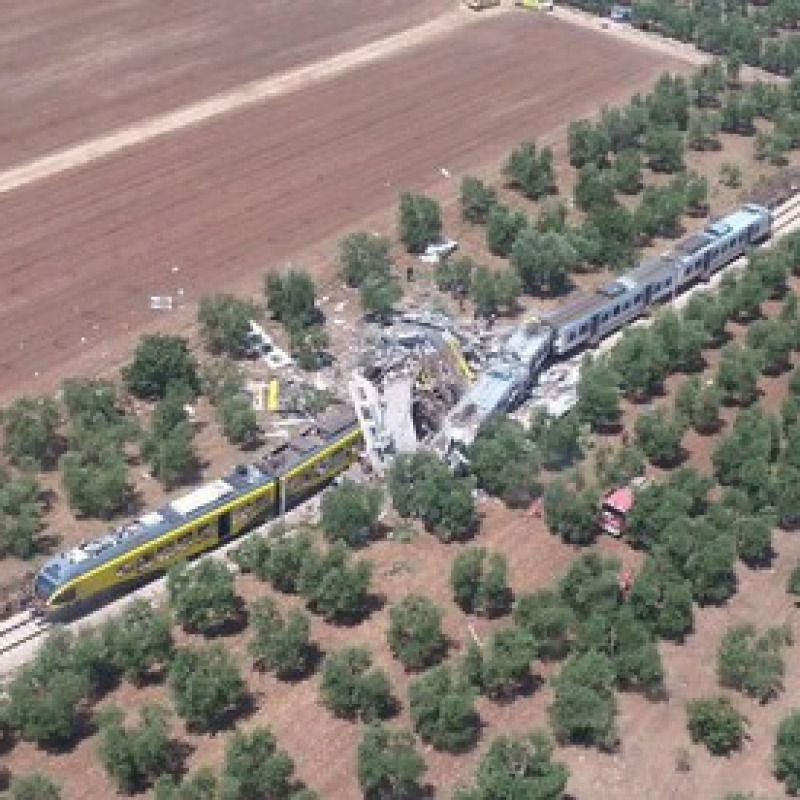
[
  {"x": 422, "y": 487},
  {"x": 350, "y": 512},
  {"x": 161, "y": 361},
  {"x": 420, "y": 221},
  {"x": 364, "y": 255},
  {"x": 134, "y": 756},
  {"x": 389, "y": 767},
  {"x": 505, "y": 461},
  {"x": 352, "y": 688},
  {"x": 415, "y": 632},
  {"x": 203, "y": 596},
  {"x": 280, "y": 642},
  {"x": 518, "y": 767},
  {"x": 30, "y": 431},
  {"x": 717, "y": 723},
  {"x": 443, "y": 710},
  {"x": 786, "y": 754},
  {"x": 207, "y": 686},
  {"x": 225, "y": 324}
]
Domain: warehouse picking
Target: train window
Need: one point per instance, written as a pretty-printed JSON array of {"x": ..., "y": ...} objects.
[
  {"x": 616, "y": 310},
  {"x": 604, "y": 318},
  {"x": 626, "y": 306},
  {"x": 584, "y": 328},
  {"x": 571, "y": 336},
  {"x": 144, "y": 560},
  {"x": 67, "y": 596},
  {"x": 638, "y": 298},
  {"x": 668, "y": 282}
]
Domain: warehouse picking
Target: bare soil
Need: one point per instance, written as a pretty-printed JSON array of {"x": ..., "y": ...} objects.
[
  {"x": 214, "y": 208},
  {"x": 217, "y": 206}
]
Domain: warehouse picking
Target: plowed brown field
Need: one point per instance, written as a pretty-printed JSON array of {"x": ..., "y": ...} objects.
[{"x": 213, "y": 206}]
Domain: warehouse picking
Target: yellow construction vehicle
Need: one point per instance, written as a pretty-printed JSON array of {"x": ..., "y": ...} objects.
[{"x": 479, "y": 5}]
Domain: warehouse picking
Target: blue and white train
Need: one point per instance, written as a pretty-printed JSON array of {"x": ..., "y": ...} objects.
[{"x": 586, "y": 317}]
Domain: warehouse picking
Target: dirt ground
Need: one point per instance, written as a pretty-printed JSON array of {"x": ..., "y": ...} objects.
[
  {"x": 215, "y": 207},
  {"x": 70, "y": 70}
]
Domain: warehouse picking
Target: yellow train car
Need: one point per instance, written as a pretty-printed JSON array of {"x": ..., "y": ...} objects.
[
  {"x": 315, "y": 456},
  {"x": 203, "y": 518}
]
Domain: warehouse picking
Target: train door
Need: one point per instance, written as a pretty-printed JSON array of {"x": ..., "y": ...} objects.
[
  {"x": 595, "y": 324},
  {"x": 648, "y": 294},
  {"x": 224, "y": 525}
]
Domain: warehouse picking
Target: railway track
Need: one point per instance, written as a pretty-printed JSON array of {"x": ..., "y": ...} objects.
[
  {"x": 19, "y": 629},
  {"x": 785, "y": 215},
  {"x": 24, "y": 627}
]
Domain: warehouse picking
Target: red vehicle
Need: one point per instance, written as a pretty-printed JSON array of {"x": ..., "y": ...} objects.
[{"x": 617, "y": 505}]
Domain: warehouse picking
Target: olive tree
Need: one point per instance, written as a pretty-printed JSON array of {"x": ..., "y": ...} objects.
[
  {"x": 786, "y": 754},
  {"x": 518, "y": 767},
  {"x": 443, "y": 710},
  {"x": 389, "y": 766},
  {"x": 225, "y": 324},
  {"x": 203, "y": 596},
  {"x": 161, "y": 361},
  {"x": 280, "y": 643},
  {"x": 207, "y": 686},
  {"x": 353, "y": 689},
  {"x": 350, "y": 512},
  {"x": 363, "y": 255},
  {"x": 30, "y": 431},
  {"x": 34, "y": 787},
  {"x": 717, "y": 723},
  {"x": 415, "y": 632},
  {"x": 134, "y": 757},
  {"x": 420, "y": 221}
]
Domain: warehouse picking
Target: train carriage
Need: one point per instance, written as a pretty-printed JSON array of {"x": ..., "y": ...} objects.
[{"x": 202, "y": 519}]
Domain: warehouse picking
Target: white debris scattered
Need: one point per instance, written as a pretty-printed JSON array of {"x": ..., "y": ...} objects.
[
  {"x": 339, "y": 307},
  {"x": 176, "y": 269},
  {"x": 444, "y": 172},
  {"x": 161, "y": 302}
]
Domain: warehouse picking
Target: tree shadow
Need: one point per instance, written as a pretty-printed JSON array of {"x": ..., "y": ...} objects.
[
  {"x": 525, "y": 688},
  {"x": 230, "y": 717},
  {"x": 85, "y": 727},
  {"x": 765, "y": 561},
  {"x": 230, "y": 626},
  {"x": 680, "y": 457},
  {"x": 314, "y": 658}
]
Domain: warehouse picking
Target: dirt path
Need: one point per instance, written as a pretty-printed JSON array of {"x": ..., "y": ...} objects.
[
  {"x": 229, "y": 102},
  {"x": 217, "y": 205}
]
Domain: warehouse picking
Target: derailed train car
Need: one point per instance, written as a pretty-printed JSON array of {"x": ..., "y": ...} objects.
[{"x": 200, "y": 520}]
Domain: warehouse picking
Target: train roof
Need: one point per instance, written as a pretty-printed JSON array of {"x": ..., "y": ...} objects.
[
  {"x": 585, "y": 304},
  {"x": 580, "y": 305},
  {"x": 647, "y": 270},
  {"x": 240, "y": 481}
]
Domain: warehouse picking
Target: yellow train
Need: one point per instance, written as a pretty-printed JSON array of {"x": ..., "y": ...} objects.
[{"x": 206, "y": 517}]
